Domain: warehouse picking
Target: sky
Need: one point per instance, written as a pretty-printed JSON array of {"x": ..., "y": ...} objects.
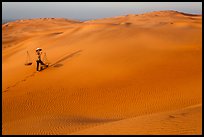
[{"x": 90, "y": 10}]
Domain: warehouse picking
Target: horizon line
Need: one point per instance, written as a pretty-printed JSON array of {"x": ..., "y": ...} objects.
[{"x": 87, "y": 19}]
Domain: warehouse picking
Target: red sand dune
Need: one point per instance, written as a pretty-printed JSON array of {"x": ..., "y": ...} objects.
[{"x": 134, "y": 74}]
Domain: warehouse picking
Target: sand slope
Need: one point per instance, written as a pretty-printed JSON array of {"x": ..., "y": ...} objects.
[
  {"x": 113, "y": 70},
  {"x": 168, "y": 123}
]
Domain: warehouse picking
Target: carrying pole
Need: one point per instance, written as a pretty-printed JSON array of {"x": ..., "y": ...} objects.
[{"x": 28, "y": 60}]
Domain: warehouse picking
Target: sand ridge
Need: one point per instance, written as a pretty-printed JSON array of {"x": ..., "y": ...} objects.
[
  {"x": 104, "y": 74},
  {"x": 168, "y": 123}
]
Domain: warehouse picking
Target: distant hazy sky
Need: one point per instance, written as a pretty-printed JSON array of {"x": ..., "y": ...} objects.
[{"x": 90, "y": 10}]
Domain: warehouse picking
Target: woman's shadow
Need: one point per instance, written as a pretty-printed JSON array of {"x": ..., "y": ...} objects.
[{"x": 59, "y": 64}]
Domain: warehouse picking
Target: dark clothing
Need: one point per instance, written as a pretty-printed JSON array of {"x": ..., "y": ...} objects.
[
  {"x": 39, "y": 55},
  {"x": 39, "y": 62}
]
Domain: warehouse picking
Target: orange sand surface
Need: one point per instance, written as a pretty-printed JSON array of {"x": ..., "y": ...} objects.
[{"x": 133, "y": 74}]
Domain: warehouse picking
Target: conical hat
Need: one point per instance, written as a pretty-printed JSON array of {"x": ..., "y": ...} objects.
[{"x": 38, "y": 49}]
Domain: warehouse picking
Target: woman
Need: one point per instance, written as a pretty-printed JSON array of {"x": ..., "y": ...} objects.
[{"x": 39, "y": 61}]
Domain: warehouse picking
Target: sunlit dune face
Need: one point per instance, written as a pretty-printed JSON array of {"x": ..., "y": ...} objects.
[{"x": 134, "y": 74}]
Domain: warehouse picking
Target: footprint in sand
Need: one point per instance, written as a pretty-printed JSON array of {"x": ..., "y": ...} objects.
[
  {"x": 5, "y": 90},
  {"x": 171, "y": 116},
  {"x": 183, "y": 114}
]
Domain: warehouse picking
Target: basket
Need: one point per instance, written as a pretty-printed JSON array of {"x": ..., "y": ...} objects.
[{"x": 28, "y": 64}]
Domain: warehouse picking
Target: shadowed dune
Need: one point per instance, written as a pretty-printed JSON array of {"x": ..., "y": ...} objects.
[{"x": 155, "y": 124}]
